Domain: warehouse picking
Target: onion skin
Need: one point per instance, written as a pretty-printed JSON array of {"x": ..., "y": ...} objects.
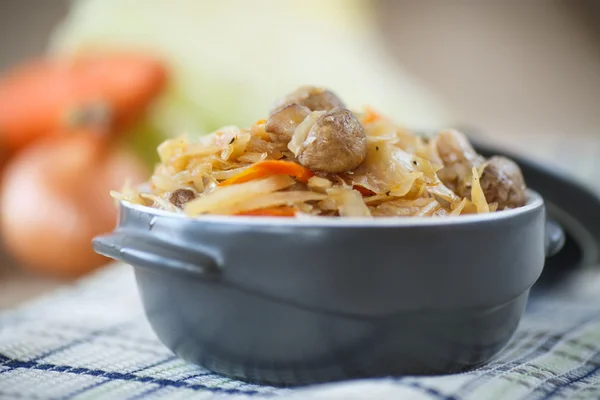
[{"x": 54, "y": 200}]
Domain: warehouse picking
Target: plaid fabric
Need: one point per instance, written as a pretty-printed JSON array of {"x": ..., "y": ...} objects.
[{"x": 92, "y": 341}]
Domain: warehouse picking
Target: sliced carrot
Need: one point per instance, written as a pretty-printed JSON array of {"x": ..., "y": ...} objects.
[
  {"x": 266, "y": 168},
  {"x": 363, "y": 190},
  {"x": 371, "y": 115},
  {"x": 43, "y": 97},
  {"x": 271, "y": 212}
]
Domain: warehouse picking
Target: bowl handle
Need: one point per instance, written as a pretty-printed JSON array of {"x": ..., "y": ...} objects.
[
  {"x": 554, "y": 237},
  {"x": 150, "y": 252}
]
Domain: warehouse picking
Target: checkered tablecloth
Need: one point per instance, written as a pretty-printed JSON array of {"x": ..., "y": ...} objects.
[{"x": 92, "y": 341}]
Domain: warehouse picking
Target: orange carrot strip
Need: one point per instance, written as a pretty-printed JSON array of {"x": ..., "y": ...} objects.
[
  {"x": 266, "y": 168},
  {"x": 371, "y": 115},
  {"x": 271, "y": 212}
]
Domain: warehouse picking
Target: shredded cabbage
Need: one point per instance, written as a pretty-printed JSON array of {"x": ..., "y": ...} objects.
[
  {"x": 244, "y": 172},
  {"x": 477, "y": 195}
]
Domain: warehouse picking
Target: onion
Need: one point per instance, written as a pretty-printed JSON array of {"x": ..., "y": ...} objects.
[{"x": 55, "y": 199}]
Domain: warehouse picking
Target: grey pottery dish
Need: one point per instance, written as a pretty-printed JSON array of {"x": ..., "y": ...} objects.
[{"x": 289, "y": 302}]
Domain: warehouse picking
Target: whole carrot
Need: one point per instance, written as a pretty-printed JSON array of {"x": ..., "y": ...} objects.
[{"x": 98, "y": 92}]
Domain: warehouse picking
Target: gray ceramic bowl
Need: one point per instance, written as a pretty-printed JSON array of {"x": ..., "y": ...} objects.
[{"x": 287, "y": 302}]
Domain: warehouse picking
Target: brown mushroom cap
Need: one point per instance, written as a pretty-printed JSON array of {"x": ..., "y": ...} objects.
[
  {"x": 502, "y": 182},
  {"x": 335, "y": 143},
  {"x": 314, "y": 98},
  {"x": 285, "y": 121},
  {"x": 454, "y": 148},
  {"x": 181, "y": 196}
]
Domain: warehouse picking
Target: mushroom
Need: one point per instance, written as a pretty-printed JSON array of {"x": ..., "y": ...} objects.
[
  {"x": 181, "y": 196},
  {"x": 285, "y": 121},
  {"x": 453, "y": 147},
  {"x": 502, "y": 182},
  {"x": 314, "y": 98},
  {"x": 458, "y": 158},
  {"x": 332, "y": 141}
]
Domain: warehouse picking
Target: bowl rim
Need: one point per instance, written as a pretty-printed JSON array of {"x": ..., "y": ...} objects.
[{"x": 534, "y": 202}]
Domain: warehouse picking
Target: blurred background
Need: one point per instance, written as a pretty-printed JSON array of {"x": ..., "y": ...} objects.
[{"x": 524, "y": 74}]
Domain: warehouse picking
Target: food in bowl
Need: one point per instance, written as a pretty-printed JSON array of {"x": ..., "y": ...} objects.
[
  {"x": 312, "y": 156},
  {"x": 321, "y": 299}
]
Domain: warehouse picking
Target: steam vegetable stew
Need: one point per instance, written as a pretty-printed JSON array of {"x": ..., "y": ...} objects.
[{"x": 314, "y": 157}]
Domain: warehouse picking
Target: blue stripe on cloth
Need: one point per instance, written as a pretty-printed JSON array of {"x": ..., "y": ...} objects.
[
  {"x": 79, "y": 341},
  {"x": 559, "y": 388},
  {"x": 490, "y": 371},
  {"x": 199, "y": 375},
  {"x": 155, "y": 364},
  {"x": 97, "y": 384},
  {"x": 430, "y": 391},
  {"x": 129, "y": 377},
  {"x": 146, "y": 393},
  {"x": 558, "y": 383},
  {"x": 132, "y": 343},
  {"x": 122, "y": 335},
  {"x": 552, "y": 339},
  {"x": 85, "y": 389}
]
